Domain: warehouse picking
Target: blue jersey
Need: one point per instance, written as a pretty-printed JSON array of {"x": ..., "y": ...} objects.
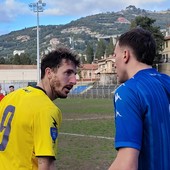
[{"x": 142, "y": 118}]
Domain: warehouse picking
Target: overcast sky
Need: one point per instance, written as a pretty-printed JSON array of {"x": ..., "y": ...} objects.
[{"x": 16, "y": 14}]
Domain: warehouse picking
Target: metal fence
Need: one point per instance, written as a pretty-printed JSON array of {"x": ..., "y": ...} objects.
[
  {"x": 94, "y": 90},
  {"x": 97, "y": 91}
]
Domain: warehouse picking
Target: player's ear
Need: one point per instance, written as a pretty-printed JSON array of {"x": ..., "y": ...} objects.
[
  {"x": 48, "y": 72},
  {"x": 126, "y": 55}
]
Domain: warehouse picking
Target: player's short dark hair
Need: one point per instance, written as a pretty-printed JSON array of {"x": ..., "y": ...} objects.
[
  {"x": 11, "y": 86},
  {"x": 141, "y": 42},
  {"x": 54, "y": 59}
]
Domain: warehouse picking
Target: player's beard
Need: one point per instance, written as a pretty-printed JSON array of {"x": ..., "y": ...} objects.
[{"x": 57, "y": 90}]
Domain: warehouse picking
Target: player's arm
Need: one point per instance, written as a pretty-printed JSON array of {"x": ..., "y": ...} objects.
[
  {"x": 126, "y": 159},
  {"x": 46, "y": 163}
]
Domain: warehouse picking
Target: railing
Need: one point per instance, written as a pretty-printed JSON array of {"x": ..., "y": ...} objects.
[{"x": 97, "y": 91}]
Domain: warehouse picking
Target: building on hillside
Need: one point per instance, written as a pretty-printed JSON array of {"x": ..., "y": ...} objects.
[
  {"x": 164, "y": 66},
  {"x": 88, "y": 73},
  {"x": 166, "y": 51},
  {"x": 19, "y": 52},
  {"x": 23, "y": 38},
  {"x": 122, "y": 20},
  {"x": 106, "y": 70},
  {"x": 54, "y": 42}
]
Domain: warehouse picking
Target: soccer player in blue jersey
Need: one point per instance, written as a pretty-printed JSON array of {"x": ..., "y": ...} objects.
[
  {"x": 142, "y": 105},
  {"x": 30, "y": 121}
]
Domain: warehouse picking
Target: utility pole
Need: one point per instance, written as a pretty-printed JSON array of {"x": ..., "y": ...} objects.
[{"x": 38, "y": 7}]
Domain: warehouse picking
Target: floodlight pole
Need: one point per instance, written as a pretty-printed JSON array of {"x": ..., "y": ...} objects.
[{"x": 38, "y": 7}]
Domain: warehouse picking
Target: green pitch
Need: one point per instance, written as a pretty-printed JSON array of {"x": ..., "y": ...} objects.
[{"x": 86, "y": 134}]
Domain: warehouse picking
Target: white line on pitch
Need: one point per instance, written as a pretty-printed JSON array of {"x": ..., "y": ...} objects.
[
  {"x": 91, "y": 136},
  {"x": 93, "y": 118}
]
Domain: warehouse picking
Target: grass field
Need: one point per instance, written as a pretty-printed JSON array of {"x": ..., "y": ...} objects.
[{"x": 86, "y": 134}]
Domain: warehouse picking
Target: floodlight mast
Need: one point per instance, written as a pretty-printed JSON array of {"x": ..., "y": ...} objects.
[{"x": 38, "y": 7}]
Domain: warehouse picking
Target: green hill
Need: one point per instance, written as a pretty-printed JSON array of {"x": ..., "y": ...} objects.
[{"x": 81, "y": 31}]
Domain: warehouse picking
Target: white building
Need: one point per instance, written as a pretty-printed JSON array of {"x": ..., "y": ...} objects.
[
  {"x": 17, "y": 75},
  {"x": 19, "y": 52}
]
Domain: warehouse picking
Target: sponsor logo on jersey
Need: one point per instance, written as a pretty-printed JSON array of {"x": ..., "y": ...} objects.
[
  {"x": 54, "y": 130},
  {"x": 54, "y": 133}
]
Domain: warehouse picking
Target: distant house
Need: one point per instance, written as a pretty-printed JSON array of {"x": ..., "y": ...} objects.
[
  {"x": 106, "y": 70},
  {"x": 19, "y": 52},
  {"x": 123, "y": 20},
  {"x": 23, "y": 38},
  {"x": 88, "y": 72},
  {"x": 54, "y": 42},
  {"x": 166, "y": 51},
  {"x": 164, "y": 66}
]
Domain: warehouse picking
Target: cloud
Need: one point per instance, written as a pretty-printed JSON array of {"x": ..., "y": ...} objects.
[
  {"x": 79, "y": 8},
  {"x": 88, "y": 7},
  {"x": 10, "y": 9}
]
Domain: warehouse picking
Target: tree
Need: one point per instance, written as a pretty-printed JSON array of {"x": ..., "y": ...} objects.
[
  {"x": 22, "y": 59},
  {"x": 33, "y": 58},
  {"x": 25, "y": 59},
  {"x": 2, "y": 60},
  {"x": 147, "y": 23},
  {"x": 89, "y": 53},
  {"x": 16, "y": 60},
  {"x": 110, "y": 47},
  {"x": 101, "y": 47}
]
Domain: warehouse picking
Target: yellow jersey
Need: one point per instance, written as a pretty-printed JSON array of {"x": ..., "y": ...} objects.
[{"x": 29, "y": 124}]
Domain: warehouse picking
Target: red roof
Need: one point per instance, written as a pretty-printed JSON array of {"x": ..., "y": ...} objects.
[
  {"x": 122, "y": 20},
  {"x": 167, "y": 37},
  {"x": 89, "y": 67}
]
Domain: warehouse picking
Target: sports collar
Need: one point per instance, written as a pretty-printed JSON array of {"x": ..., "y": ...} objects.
[{"x": 38, "y": 87}]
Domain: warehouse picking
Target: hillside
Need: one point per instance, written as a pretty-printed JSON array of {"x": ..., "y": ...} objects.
[{"x": 81, "y": 31}]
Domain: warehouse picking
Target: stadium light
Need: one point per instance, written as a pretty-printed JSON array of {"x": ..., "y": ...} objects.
[{"x": 38, "y": 7}]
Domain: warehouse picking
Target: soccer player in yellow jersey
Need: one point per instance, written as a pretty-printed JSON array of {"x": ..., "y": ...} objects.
[{"x": 29, "y": 120}]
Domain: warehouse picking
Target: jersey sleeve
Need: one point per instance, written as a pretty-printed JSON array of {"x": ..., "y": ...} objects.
[
  {"x": 128, "y": 118},
  {"x": 45, "y": 129}
]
